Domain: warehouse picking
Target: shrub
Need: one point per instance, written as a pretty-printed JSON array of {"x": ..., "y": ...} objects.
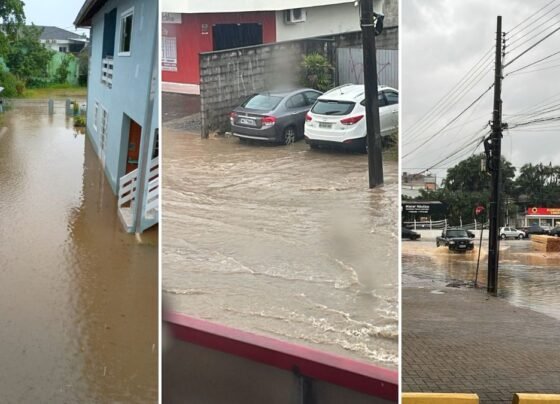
[
  {"x": 12, "y": 86},
  {"x": 317, "y": 72},
  {"x": 79, "y": 121}
]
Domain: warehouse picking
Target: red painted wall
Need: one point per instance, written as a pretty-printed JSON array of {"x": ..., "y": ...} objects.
[{"x": 191, "y": 41}]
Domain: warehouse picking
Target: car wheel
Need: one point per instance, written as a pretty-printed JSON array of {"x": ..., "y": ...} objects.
[
  {"x": 437, "y": 243},
  {"x": 520, "y": 237},
  {"x": 289, "y": 135},
  {"x": 503, "y": 236}
]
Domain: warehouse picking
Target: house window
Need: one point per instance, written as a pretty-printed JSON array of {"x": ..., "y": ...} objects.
[
  {"x": 169, "y": 54},
  {"x": 96, "y": 115},
  {"x": 62, "y": 49},
  {"x": 126, "y": 32}
]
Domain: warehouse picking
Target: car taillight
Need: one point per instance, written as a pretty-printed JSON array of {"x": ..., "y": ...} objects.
[
  {"x": 308, "y": 118},
  {"x": 232, "y": 117},
  {"x": 352, "y": 120},
  {"x": 268, "y": 121}
]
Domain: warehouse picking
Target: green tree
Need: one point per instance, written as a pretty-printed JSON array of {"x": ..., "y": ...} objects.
[
  {"x": 538, "y": 185},
  {"x": 27, "y": 58},
  {"x": 12, "y": 17},
  {"x": 467, "y": 186}
]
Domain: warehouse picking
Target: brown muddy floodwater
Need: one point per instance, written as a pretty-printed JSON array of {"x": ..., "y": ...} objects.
[
  {"x": 282, "y": 241},
  {"x": 78, "y": 296},
  {"x": 527, "y": 278}
]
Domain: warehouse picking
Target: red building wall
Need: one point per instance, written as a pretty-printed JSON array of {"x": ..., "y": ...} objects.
[{"x": 191, "y": 40}]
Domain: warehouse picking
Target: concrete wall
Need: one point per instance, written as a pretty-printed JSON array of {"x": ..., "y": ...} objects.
[
  {"x": 194, "y": 374},
  {"x": 228, "y": 77},
  {"x": 132, "y": 76}
]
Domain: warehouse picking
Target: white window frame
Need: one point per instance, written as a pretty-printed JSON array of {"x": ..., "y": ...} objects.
[
  {"x": 96, "y": 115},
  {"x": 124, "y": 15}
]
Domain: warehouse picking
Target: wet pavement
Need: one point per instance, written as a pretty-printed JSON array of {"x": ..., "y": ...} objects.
[
  {"x": 527, "y": 278},
  {"x": 460, "y": 339},
  {"x": 78, "y": 294},
  {"x": 282, "y": 241}
]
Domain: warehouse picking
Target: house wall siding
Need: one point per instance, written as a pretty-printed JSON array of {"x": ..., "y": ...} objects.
[
  {"x": 191, "y": 40},
  {"x": 132, "y": 76}
]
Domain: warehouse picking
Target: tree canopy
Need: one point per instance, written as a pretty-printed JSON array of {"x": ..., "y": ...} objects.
[{"x": 12, "y": 17}]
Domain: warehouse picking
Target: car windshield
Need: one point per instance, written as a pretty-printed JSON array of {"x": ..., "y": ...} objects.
[
  {"x": 457, "y": 233},
  {"x": 262, "y": 102},
  {"x": 329, "y": 107}
]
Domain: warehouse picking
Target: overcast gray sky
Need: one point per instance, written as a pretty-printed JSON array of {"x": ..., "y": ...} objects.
[
  {"x": 59, "y": 13},
  {"x": 441, "y": 41}
]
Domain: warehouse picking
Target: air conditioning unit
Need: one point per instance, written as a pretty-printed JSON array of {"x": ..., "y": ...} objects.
[{"x": 295, "y": 15}]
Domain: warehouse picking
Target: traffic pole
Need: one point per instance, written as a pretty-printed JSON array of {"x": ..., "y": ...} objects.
[
  {"x": 495, "y": 159},
  {"x": 373, "y": 137}
]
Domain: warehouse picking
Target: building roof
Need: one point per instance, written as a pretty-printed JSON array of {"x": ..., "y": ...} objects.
[
  {"x": 60, "y": 34},
  {"x": 228, "y": 6},
  {"x": 88, "y": 10}
]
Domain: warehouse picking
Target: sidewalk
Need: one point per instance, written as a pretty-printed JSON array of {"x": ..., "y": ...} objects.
[{"x": 465, "y": 341}]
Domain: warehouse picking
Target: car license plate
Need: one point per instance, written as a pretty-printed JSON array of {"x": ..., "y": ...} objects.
[
  {"x": 462, "y": 246},
  {"x": 326, "y": 125},
  {"x": 247, "y": 121}
]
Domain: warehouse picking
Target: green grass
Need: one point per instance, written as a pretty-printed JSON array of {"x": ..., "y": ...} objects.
[{"x": 55, "y": 91}]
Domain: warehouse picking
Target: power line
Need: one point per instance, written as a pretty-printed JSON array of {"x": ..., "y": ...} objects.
[
  {"x": 534, "y": 63},
  {"x": 532, "y": 46},
  {"x": 512, "y": 41},
  {"x": 450, "y": 122},
  {"x": 529, "y": 18}
]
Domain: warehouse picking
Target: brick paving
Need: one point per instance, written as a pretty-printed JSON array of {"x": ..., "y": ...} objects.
[{"x": 465, "y": 341}]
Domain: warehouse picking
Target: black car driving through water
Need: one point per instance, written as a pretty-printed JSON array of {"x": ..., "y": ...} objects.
[
  {"x": 409, "y": 234},
  {"x": 455, "y": 240},
  {"x": 274, "y": 116}
]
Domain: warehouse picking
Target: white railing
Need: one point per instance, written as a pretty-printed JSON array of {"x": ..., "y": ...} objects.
[
  {"x": 127, "y": 196},
  {"x": 152, "y": 199},
  {"x": 442, "y": 224},
  {"x": 127, "y": 189},
  {"x": 107, "y": 71}
]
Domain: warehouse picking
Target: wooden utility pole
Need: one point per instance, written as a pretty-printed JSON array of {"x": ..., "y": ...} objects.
[
  {"x": 495, "y": 163},
  {"x": 373, "y": 137}
]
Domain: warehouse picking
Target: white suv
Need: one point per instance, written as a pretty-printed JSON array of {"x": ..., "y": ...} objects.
[
  {"x": 338, "y": 116},
  {"x": 510, "y": 232}
]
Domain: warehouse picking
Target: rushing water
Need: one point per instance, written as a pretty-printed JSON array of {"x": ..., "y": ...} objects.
[
  {"x": 527, "y": 278},
  {"x": 283, "y": 241},
  {"x": 78, "y": 296}
]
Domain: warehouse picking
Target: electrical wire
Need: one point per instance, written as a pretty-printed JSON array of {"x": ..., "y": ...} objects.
[{"x": 526, "y": 20}]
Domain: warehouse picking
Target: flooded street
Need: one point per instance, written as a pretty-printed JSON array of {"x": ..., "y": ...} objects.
[
  {"x": 78, "y": 295},
  {"x": 527, "y": 278},
  {"x": 282, "y": 241}
]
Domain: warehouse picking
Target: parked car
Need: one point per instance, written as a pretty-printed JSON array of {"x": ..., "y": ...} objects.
[
  {"x": 534, "y": 229},
  {"x": 455, "y": 240},
  {"x": 338, "y": 116},
  {"x": 555, "y": 232},
  {"x": 409, "y": 234},
  {"x": 275, "y": 116},
  {"x": 511, "y": 232}
]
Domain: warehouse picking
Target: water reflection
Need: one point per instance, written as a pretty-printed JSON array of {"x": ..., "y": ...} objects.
[
  {"x": 78, "y": 295},
  {"x": 527, "y": 278}
]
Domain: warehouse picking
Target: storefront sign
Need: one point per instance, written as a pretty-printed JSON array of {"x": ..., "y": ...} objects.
[
  {"x": 423, "y": 208},
  {"x": 543, "y": 211}
]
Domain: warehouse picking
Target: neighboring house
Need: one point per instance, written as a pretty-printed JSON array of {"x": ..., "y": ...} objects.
[
  {"x": 122, "y": 113},
  {"x": 61, "y": 40},
  {"x": 413, "y": 183},
  {"x": 192, "y": 27}
]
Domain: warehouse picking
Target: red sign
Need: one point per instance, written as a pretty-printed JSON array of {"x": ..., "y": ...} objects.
[
  {"x": 543, "y": 211},
  {"x": 479, "y": 209}
]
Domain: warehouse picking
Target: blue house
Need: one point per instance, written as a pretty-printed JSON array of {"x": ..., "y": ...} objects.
[{"x": 123, "y": 93}]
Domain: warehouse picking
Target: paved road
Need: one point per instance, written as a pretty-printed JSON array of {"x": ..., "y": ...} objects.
[{"x": 461, "y": 340}]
